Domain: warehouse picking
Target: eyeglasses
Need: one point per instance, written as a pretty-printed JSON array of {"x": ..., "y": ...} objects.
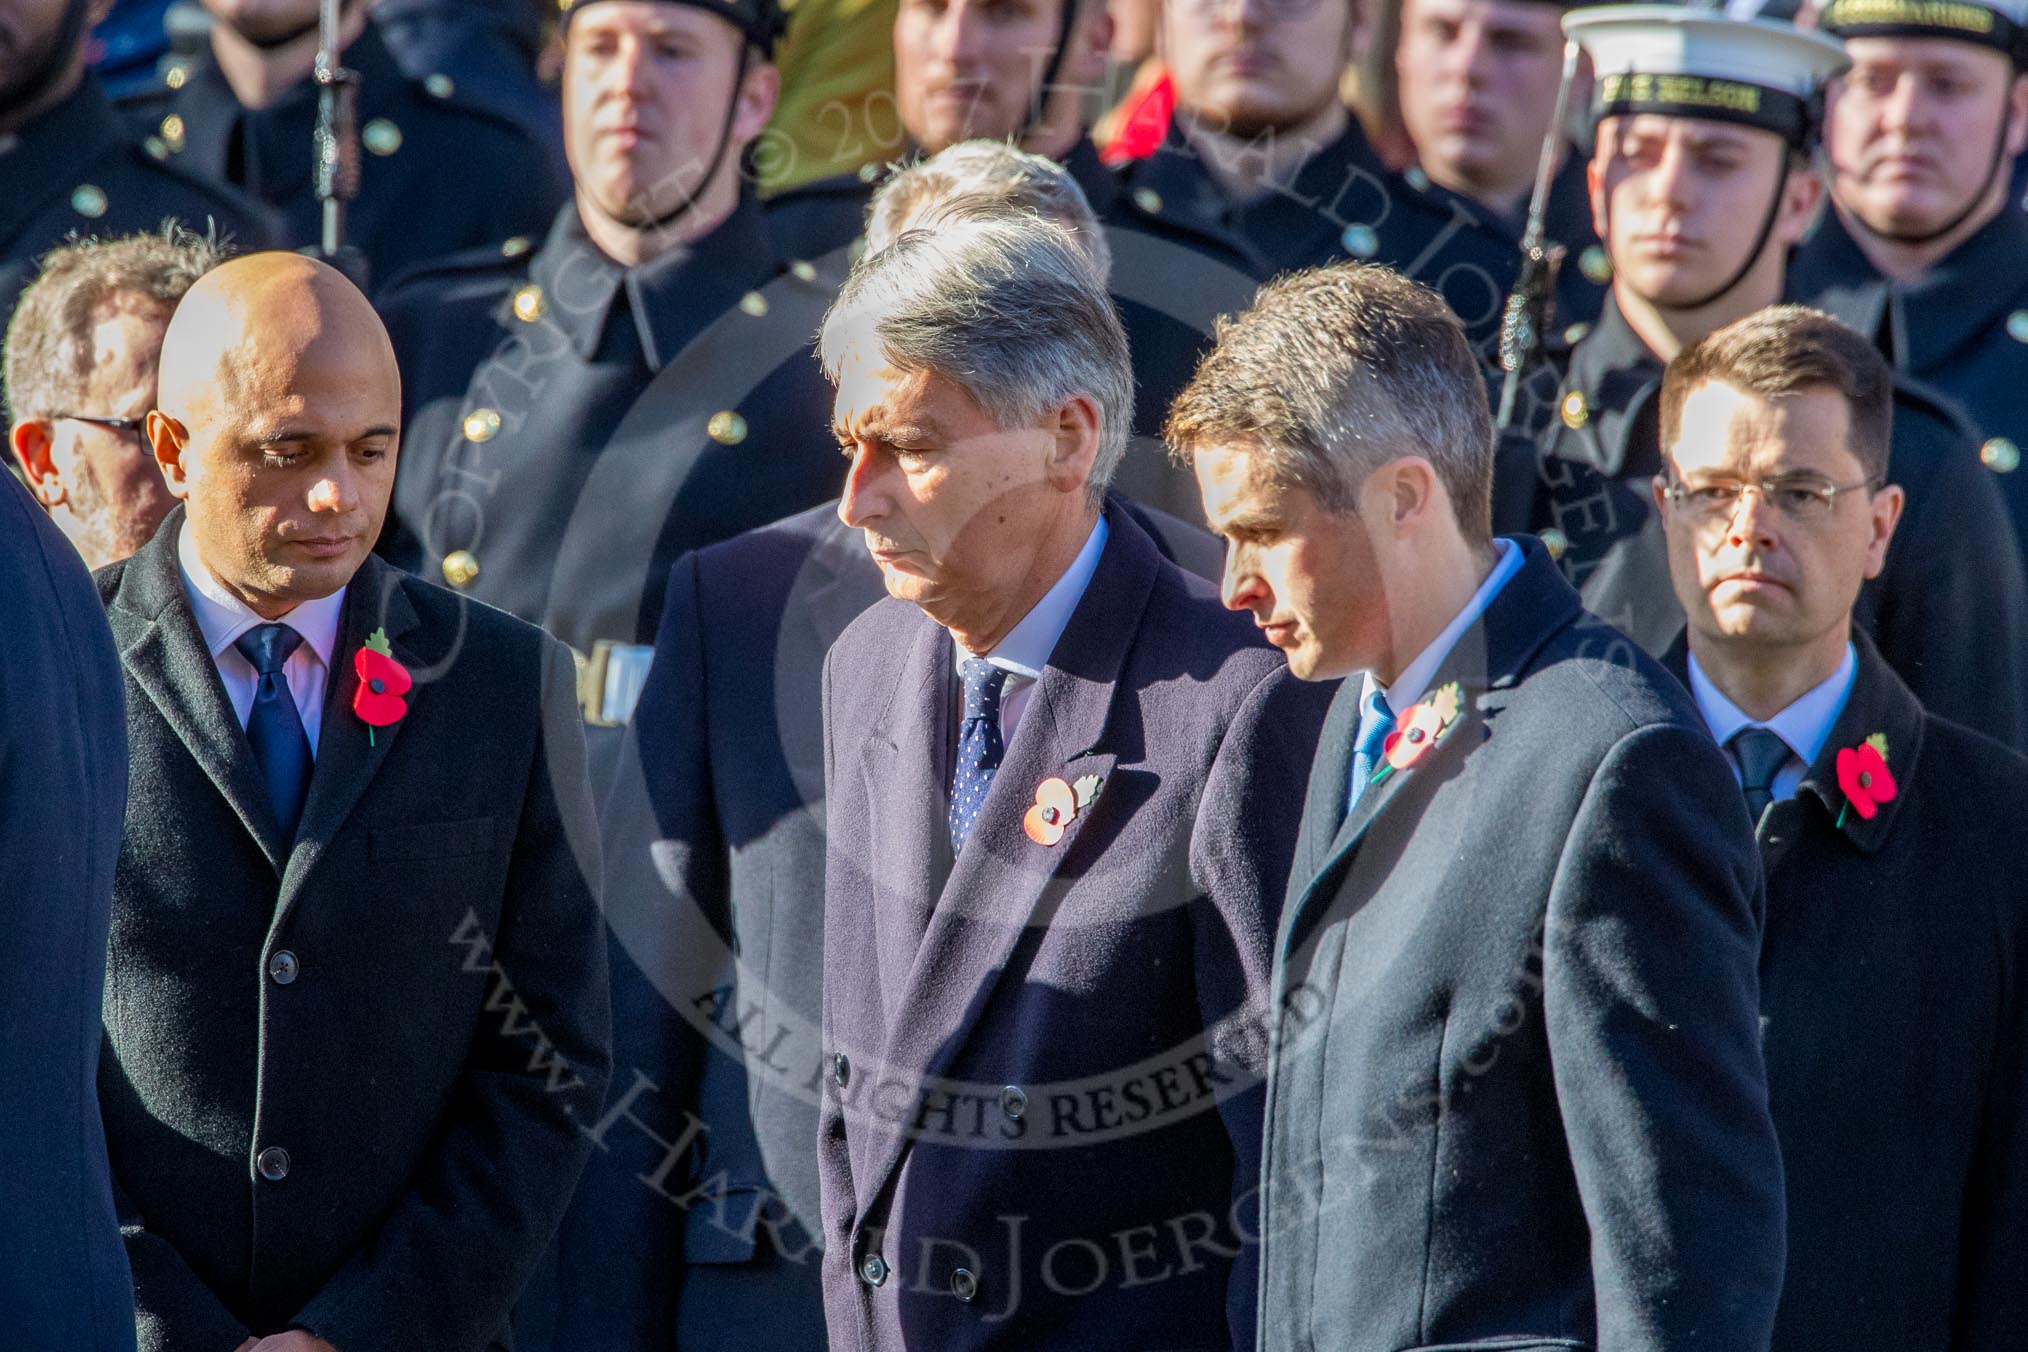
[
  {"x": 136, "y": 428},
  {"x": 1799, "y": 497}
]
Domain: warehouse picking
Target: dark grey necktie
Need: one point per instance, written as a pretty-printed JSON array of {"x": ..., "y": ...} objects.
[{"x": 1760, "y": 754}]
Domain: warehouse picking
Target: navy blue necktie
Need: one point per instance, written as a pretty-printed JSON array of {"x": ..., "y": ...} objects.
[
  {"x": 1761, "y": 754},
  {"x": 280, "y": 746},
  {"x": 1376, "y": 721},
  {"x": 980, "y": 749}
]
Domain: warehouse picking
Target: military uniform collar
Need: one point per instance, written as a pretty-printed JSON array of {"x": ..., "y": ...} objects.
[
  {"x": 672, "y": 298},
  {"x": 1101, "y": 186},
  {"x": 1937, "y": 315},
  {"x": 39, "y": 160},
  {"x": 1613, "y": 375}
]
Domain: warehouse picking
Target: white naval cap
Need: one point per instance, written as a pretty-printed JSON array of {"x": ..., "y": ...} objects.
[
  {"x": 1683, "y": 62},
  {"x": 1999, "y": 24}
]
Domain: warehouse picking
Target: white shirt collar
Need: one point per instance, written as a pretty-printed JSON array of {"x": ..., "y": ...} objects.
[
  {"x": 1413, "y": 682},
  {"x": 1026, "y": 648},
  {"x": 223, "y": 617},
  {"x": 1805, "y": 725}
]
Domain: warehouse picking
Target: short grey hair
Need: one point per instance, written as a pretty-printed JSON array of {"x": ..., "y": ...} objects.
[
  {"x": 982, "y": 177},
  {"x": 1005, "y": 308},
  {"x": 49, "y": 340},
  {"x": 1334, "y": 371}
]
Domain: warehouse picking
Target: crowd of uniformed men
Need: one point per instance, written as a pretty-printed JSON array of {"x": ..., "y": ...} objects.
[{"x": 1336, "y": 675}]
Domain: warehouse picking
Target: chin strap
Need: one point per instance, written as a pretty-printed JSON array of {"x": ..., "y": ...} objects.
[
  {"x": 689, "y": 202},
  {"x": 1978, "y": 199},
  {"x": 1038, "y": 102}
]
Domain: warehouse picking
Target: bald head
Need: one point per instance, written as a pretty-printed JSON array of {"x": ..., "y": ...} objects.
[{"x": 276, "y": 421}]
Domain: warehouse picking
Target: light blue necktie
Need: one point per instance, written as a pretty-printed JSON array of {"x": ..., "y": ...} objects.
[
  {"x": 273, "y": 727},
  {"x": 980, "y": 749},
  {"x": 1376, "y": 720}
]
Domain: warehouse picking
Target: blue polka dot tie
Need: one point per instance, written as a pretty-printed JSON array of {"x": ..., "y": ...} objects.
[
  {"x": 273, "y": 727},
  {"x": 979, "y": 746},
  {"x": 1376, "y": 721}
]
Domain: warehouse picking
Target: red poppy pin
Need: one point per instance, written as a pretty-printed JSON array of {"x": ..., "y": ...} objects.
[
  {"x": 1865, "y": 779},
  {"x": 1424, "y": 726},
  {"x": 1056, "y": 807},
  {"x": 382, "y": 683}
]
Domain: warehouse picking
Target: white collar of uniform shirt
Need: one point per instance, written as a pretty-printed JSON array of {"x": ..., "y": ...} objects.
[
  {"x": 1805, "y": 725},
  {"x": 223, "y": 617},
  {"x": 1026, "y": 649}
]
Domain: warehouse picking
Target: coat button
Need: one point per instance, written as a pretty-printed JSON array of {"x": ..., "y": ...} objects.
[
  {"x": 282, "y": 967},
  {"x": 460, "y": 567},
  {"x": 273, "y": 1163},
  {"x": 964, "y": 1285},
  {"x": 873, "y": 1269},
  {"x": 841, "y": 1069},
  {"x": 1013, "y": 1101}
]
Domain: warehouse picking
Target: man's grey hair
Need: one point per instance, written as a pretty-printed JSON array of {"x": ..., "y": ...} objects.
[
  {"x": 979, "y": 178},
  {"x": 1008, "y": 309},
  {"x": 49, "y": 340},
  {"x": 1334, "y": 371}
]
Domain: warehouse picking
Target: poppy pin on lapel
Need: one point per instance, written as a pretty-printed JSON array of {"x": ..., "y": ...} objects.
[
  {"x": 382, "y": 683},
  {"x": 1424, "y": 726},
  {"x": 1864, "y": 778},
  {"x": 1057, "y": 805}
]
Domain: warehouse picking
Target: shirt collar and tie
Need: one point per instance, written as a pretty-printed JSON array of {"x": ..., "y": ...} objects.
[
  {"x": 997, "y": 685},
  {"x": 1380, "y": 705},
  {"x": 1771, "y": 757}
]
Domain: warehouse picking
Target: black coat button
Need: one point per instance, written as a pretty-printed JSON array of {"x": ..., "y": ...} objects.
[
  {"x": 964, "y": 1285},
  {"x": 1013, "y": 1101},
  {"x": 273, "y": 1163},
  {"x": 841, "y": 1069},
  {"x": 873, "y": 1269},
  {"x": 282, "y": 967}
]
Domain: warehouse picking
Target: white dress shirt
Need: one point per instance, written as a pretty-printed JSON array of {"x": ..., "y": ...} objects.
[
  {"x": 223, "y": 617},
  {"x": 1025, "y": 651},
  {"x": 1804, "y": 726},
  {"x": 1413, "y": 682}
]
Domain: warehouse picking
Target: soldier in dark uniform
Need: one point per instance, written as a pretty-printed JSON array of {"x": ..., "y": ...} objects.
[
  {"x": 1263, "y": 150},
  {"x": 1478, "y": 82},
  {"x": 1894, "y": 966},
  {"x": 1701, "y": 192},
  {"x": 1923, "y": 248},
  {"x": 484, "y": 51},
  {"x": 965, "y": 70},
  {"x": 436, "y": 174},
  {"x": 641, "y": 382},
  {"x": 70, "y": 165}
]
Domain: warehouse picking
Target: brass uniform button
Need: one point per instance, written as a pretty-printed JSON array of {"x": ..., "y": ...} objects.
[
  {"x": 440, "y": 85},
  {"x": 754, "y": 303},
  {"x": 381, "y": 137},
  {"x": 868, "y": 172},
  {"x": 172, "y": 131},
  {"x": 804, "y": 270},
  {"x": 2000, "y": 455},
  {"x": 1417, "y": 179},
  {"x": 482, "y": 424},
  {"x": 176, "y": 77},
  {"x": 1359, "y": 241},
  {"x": 2017, "y": 326},
  {"x": 726, "y": 428},
  {"x": 460, "y": 568},
  {"x": 153, "y": 145},
  {"x": 1575, "y": 333},
  {"x": 1596, "y": 264},
  {"x": 515, "y": 246},
  {"x": 1556, "y": 542},
  {"x": 528, "y": 306},
  {"x": 88, "y": 200},
  {"x": 1576, "y": 412},
  {"x": 1148, "y": 200}
]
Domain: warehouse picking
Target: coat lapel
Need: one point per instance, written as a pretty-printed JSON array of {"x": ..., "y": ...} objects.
[
  {"x": 1005, "y": 885},
  {"x": 164, "y": 651},
  {"x": 1879, "y": 704},
  {"x": 347, "y": 756}
]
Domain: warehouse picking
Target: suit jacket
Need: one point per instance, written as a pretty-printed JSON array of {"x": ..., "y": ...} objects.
[
  {"x": 1040, "y": 1113},
  {"x": 344, "y": 1076},
  {"x": 63, "y": 774},
  {"x": 1516, "y": 1092},
  {"x": 714, "y": 892},
  {"x": 1895, "y": 1007}
]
